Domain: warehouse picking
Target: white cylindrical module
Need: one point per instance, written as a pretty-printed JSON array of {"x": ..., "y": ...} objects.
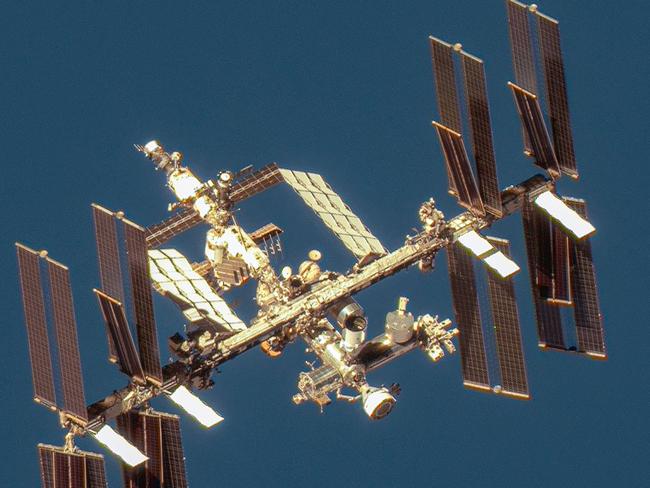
[
  {"x": 399, "y": 326},
  {"x": 377, "y": 402},
  {"x": 352, "y": 338}
]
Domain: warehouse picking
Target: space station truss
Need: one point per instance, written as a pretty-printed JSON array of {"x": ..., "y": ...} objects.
[{"x": 173, "y": 276}]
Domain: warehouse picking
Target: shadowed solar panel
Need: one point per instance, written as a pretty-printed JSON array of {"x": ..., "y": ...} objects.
[
  {"x": 459, "y": 169},
  {"x": 588, "y": 318},
  {"x": 468, "y": 317},
  {"x": 537, "y": 237},
  {"x": 561, "y": 289},
  {"x": 63, "y": 469},
  {"x": 108, "y": 256},
  {"x": 65, "y": 326},
  {"x": 257, "y": 182},
  {"x": 36, "y": 324},
  {"x": 532, "y": 120},
  {"x": 507, "y": 332},
  {"x": 138, "y": 263},
  {"x": 479, "y": 119},
  {"x": 556, "y": 93},
  {"x": 118, "y": 327},
  {"x": 158, "y": 436},
  {"x": 173, "y": 458}
]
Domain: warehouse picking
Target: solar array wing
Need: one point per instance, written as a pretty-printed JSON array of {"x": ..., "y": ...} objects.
[
  {"x": 468, "y": 316},
  {"x": 561, "y": 289},
  {"x": 138, "y": 264},
  {"x": 173, "y": 276},
  {"x": 478, "y": 111},
  {"x": 460, "y": 169},
  {"x": 64, "y": 469},
  {"x": 36, "y": 324},
  {"x": 336, "y": 215},
  {"x": 257, "y": 182},
  {"x": 108, "y": 256},
  {"x": 65, "y": 326},
  {"x": 535, "y": 129},
  {"x": 118, "y": 327},
  {"x": 232, "y": 271},
  {"x": 538, "y": 242},
  {"x": 446, "y": 87},
  {"x": 158, "y": 436},
  {"x": 446, "y": 92},
  {"x": 184, "y": 219},
  {"x": 507, "y": 330},
  {"x": 144, "y": 431},
  {"x": 173, "y": 458},
  {"x": 523, "y": 59},
  {"x": 588, "y": 318},
  {"x": 556, "y": 93}
]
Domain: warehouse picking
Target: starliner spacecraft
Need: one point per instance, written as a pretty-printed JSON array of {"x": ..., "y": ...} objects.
[{"x": 316, "y": 306}]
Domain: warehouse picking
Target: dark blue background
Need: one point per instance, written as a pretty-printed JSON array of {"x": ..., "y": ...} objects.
[{"x": 342, "y": 89}]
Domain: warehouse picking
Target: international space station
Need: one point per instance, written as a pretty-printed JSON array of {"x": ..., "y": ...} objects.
[{"x": 313, "y": 305}]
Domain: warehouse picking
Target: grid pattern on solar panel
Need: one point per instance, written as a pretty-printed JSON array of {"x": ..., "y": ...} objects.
[
  {"x": 556, "y": 93},
  {"x": 65, "y": 326},
  {"x": 142, "y": 301},
  {"x": 561, "y": 292},
  {"x": 466, "y": 310},
  {"x": 507, "y": 329},
  {"x": 117, "y": 324},
  {"x": 588, "y": 319},
  {"x": 110, "y": 274},
  {"x": 445, "y": 81},
  {"x": 257, "y": 182},
  {"x": 173, "y": 276},
  {"x": 62, "y": 469},
  {"x": 336, "y": 215},
  {"x": 173, "y": 458},
  {"x": 481, "y": 129},
  {"x": 532, "y": 120},
  {"x": 184, "y": 219},
  {"x": 523, "y": 59},
  {"x": 549, "y": 321},
  {"x": 36, "y": 324},
  {"x": 460, "y": 170},
  {"x": 144, "y": 431}
]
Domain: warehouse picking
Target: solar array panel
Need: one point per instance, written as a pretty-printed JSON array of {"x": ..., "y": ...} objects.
[
  {"x": 65, "y": 469},
  {"x": 468, "y": 317},
  {"x": 556, "y": 93},
  {"x": 138, "y": 263},
  {"x": 36, "y": 324},
  {"x": 538, "y": 243},
  {"x": 157, "y": 435},
  {"x": 546, "y": 53},
  {"x": 173, "y": 457},
  {"x": 588, "y": 318},
  {"x": 507, "y": 330},
  {"x": 118, "y": 327},
  {"x": 333, "y": 211},
  {"x": 561, "y": 286},
  {"x": 257, "y": 182},
  {"x": 446, "y": 88},
  {"x": 108, "y": 257},
  {"x": 65, "y": 326},
  {"x": 535, "y": 129},
  {"x": 460, "y": 169},
  {"x": 174, "y": 277},
  {"x": 479, "y": 120}
]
